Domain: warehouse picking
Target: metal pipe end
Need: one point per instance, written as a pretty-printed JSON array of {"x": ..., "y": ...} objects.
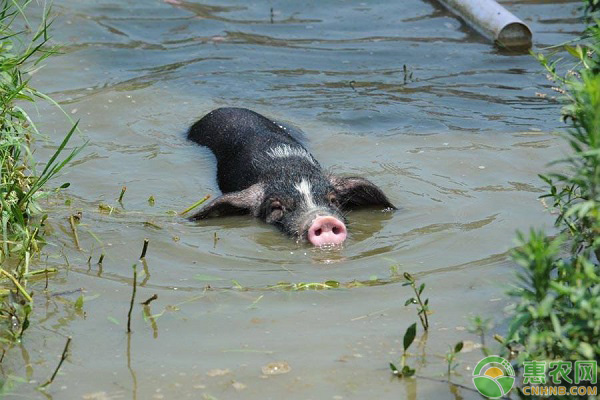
[{"x": 515, "y": 35}]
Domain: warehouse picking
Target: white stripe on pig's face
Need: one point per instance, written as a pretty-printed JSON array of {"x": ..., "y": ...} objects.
[{"x": 304, "y": 187}]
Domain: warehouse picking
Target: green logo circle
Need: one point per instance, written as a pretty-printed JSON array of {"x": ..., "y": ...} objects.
[{"x": 493, "y": 377}]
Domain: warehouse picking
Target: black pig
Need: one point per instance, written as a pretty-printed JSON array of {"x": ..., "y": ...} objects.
[{"x": 264, "y": 170}]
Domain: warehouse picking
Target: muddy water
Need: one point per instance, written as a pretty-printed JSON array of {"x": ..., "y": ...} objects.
[{"x": 403, "y": 93}]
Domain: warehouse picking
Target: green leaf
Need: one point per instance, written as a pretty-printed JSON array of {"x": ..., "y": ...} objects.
[
  {"x": 421, "y": 288},
  {"x": 516, "y": 325},
  {"x": 65, "y": 185},
  {"x": 409, "y": 335},
  {"x": 545, "y": 179},
  {"x": 410, "y": 301},
  {"x": 407, "y": 371},
  {"x": 575, "y": 51},
  {"x": 458, "y": 347},
  {"x": 586, "y": 350}
]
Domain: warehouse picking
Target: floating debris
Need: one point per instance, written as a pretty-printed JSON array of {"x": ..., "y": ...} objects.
[
  {"x": 218, "y": 372},
  {"x": 276, "y": 368}
]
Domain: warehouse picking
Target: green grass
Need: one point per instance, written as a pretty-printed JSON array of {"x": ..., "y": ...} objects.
[
  {"x": 557, "y": 310},
  {"x": 21, "y": 188}
]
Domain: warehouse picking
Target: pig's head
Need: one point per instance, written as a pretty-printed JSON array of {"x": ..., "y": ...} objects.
[{"x": 310, "y": 208}]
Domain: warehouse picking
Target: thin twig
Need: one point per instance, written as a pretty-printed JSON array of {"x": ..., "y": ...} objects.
[
  {"x": 123, "y": 190},
  {"x": 423, "y": 310},
  {"x": 74, "y": 229},
  {"x": 196, "y": 204},
  {"x": 150, "y": 300},
  {"x": 17, "y": 284},
  {"x": 30, "y": 242},
  {"x": 101, "y": 259},
  {"x": 62, "y": 359},
  {"x": 39, "y": 272},
  {"x": 145, "y": 248},
  {"x": 132, "y": 298},
  {"x": 62, "y": 252}
]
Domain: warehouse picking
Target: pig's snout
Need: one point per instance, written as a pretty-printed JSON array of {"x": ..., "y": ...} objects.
[{"x": 326, "y": 230}]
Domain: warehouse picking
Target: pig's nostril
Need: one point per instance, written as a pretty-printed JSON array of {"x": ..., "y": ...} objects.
[
  {"x": 335, "y": 230},
  {"x": 318, "y": 232}
]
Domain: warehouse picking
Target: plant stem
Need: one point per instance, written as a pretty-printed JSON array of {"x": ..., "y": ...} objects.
[
  {"x": 423, "y": 310},
  {"x": 132, "y": 298},
  {"x": 196, "y": 204},
  {"x": 62, "y": 359},
  {"x": 145, "y": 248},
  {"x": 17, "y": 284},
  {"x": 74, "y": 229},
  {"x": 39, "y": 272},
  {"x": 123, "y": 190}
]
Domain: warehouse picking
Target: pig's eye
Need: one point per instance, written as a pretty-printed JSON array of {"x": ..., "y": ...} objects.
[{"x": 333, "y": 201}]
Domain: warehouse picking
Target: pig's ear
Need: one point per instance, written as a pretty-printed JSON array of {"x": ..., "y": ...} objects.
[
  {"x": 357, "y": 192},
  {"x": 235, "y": 203}
]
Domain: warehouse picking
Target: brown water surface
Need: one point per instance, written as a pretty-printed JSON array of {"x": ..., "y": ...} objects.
[{"x": 400, "y": 92}]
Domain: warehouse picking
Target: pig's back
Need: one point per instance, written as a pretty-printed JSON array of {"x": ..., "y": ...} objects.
[
  {"x": 242, "y": 141},
  {"x": 229, "y": 128}
]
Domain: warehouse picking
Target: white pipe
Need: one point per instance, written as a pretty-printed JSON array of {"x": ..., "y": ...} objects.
[{"x": 493, "y": 21}]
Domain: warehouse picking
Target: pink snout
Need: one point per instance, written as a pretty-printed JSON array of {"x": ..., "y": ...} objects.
[{"x": 326, "y": 230}]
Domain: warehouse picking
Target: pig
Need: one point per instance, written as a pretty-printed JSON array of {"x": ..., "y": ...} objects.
[{"x": 263, "y": 169}]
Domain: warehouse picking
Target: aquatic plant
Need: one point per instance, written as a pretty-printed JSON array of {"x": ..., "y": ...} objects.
[
  {"x": 422, "y": 306},
  {"x": 405, "y": 371},
  {"x": 21, "y": 188},
  {"x": 451, "y": 357},
  {"x": 409, "y": 336},
  {"x": 557, "y": 311}
]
